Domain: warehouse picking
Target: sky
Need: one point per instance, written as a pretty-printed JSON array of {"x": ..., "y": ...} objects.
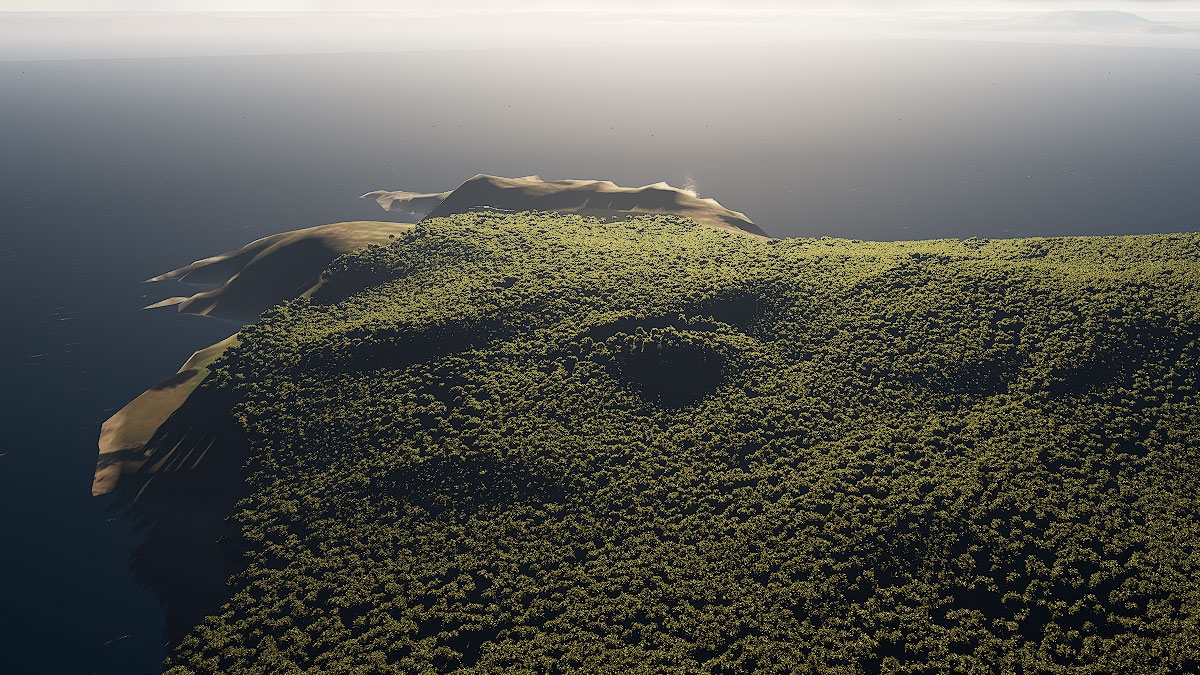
[
  {"x": 79, "y": 29},
  {"x": 680, "y": 5}
]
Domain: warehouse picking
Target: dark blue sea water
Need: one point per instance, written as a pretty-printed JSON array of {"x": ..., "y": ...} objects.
[{"x": 114, "y": 171}]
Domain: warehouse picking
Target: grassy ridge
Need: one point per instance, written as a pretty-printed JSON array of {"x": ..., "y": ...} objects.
[{"x": 541, "y": 443}]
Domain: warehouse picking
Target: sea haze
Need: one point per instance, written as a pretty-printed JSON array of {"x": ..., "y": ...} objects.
[{"x": 116, "y": 170}]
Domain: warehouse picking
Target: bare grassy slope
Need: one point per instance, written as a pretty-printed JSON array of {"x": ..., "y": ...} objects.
[
  {"x": 586, "y": 197},
  {"x": 271, "y": 270}
]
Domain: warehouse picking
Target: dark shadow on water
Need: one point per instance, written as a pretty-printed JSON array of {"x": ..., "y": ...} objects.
[{"x": 189, "y": 552}]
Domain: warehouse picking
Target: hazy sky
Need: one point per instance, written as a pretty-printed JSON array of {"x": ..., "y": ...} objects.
[
  {"x": 682, "y": 5},
  {"x": 79, "y": 29}
]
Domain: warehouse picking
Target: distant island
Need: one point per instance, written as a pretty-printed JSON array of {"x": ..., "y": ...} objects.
[
  {"x": 634, "y": 434},
  {"x": 1074, "y": 21}
]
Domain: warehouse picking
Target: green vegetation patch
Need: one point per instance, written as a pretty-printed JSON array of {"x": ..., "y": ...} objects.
[{"x": 545, "y": 443}]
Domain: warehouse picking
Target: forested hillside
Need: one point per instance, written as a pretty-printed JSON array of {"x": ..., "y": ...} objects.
[{"x": 545, "y": 443}]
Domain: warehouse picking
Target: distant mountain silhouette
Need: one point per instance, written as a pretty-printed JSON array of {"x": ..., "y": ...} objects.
[{"x": 1077, "y": 21}]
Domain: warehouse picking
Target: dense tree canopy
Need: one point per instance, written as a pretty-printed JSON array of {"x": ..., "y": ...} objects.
[{"x": 545, "y": 443}]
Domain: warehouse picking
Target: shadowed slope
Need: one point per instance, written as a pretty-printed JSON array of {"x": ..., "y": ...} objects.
[
  {"x": 126, "y": 438},
  {"x": 180, "y": 490}
]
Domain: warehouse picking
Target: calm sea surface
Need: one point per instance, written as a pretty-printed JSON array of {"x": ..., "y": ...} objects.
[{"x": 114, "y": 171}]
